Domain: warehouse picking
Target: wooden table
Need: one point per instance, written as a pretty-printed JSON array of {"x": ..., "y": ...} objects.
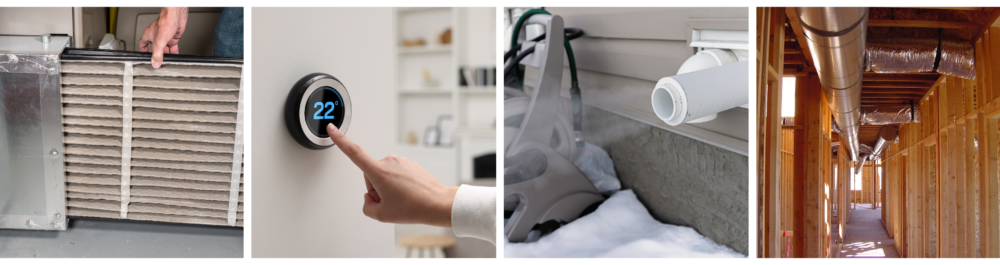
[{"x": 430, "y": 242}]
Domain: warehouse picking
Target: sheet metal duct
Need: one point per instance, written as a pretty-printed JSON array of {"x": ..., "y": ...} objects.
[
  {"x": 885, "y": 135},
  {"x": 836, "y": 37}
]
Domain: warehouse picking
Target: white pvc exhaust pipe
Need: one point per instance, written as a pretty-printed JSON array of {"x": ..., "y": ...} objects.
[{"x": 701, "y": 94}]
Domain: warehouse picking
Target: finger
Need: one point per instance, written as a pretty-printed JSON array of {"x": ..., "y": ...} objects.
[
  {"x": 165, "y": 32},
  {"x": 157, "y": 57},
  {"x": 375, "y": 196},
  {"x": 173, "y": 49},
  {"x": 147, "y": 37},
  {"x": 371, "y": 190},
  {"x": 353, "y": 151},
  {"x": 371, "y": 208}
]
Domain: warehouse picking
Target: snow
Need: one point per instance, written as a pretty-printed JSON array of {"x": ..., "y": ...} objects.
[
  {"x": 621, "y": 228},
  {"x": 597, "y": 165}
]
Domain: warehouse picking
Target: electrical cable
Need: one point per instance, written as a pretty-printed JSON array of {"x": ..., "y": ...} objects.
[
  {"x": 509, "y": 68},
  {"x": 571, "y": 34},
  {"x": 517, "y": 47}
]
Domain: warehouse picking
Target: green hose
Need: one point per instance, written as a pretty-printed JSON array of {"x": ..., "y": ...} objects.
[{"x": 569, "y": 49}]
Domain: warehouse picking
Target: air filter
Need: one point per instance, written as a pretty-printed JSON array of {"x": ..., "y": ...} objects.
[{"x": 153, "y": 144}]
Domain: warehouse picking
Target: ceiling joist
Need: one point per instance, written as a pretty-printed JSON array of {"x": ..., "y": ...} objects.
[
  {"x": 796, "y": 25},
  {"x": 989, "y": 23},
  {"x": 923, "y": 24}
]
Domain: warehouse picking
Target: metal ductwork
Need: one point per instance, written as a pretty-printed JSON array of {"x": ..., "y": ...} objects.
[
  {"x": 885, "y": 135},
  {"x": 836, "y": 37}
]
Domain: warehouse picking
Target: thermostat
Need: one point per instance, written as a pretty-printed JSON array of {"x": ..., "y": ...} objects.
[{"x": 314, "y": 102}]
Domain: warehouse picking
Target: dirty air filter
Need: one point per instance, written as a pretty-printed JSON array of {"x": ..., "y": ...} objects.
[{"x": 153, "y": 144}]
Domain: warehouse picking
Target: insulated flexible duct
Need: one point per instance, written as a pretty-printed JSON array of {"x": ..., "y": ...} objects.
[
  {"x": 885, "y": 115},
  {"x": 912, "y": 55},
  {"x": 957, "y": 59},
  {"x": 836, "y": 37},
  {"x": 901, "y": 55}
]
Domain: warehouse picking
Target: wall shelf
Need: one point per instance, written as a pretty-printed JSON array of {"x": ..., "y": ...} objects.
[
  {"x": 443, "y": 50},
  {"x": 485, "y": 91},
  {"x": 419, "y": 9},
  {"x": 472, "y": 109},
  {"x": 440, "y": 92}
]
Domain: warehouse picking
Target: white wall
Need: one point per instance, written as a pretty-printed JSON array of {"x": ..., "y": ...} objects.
[
  {"x": 308, "y": 203},
  {"x": 480, "y": 36}
]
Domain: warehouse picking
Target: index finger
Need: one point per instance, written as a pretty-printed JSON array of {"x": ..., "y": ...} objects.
[{"x": 353, "y": 151}]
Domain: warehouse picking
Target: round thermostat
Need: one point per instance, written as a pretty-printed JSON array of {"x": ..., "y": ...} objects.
[{"x": 314, "y": 102}]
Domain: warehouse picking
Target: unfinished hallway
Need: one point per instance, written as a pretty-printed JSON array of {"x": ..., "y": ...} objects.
[
  {"x": 893, "y": 107},
  {"x": 865, "y": 236}
]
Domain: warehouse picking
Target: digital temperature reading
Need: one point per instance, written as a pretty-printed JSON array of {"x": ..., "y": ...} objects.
[
  {"x": 325, "y": 107},
  {"x": 314, "y": 102}
]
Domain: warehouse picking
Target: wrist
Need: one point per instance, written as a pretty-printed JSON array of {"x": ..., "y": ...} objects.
[{"x": 444, "y": 210}]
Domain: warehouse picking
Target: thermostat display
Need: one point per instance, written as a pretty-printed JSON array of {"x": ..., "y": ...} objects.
[
  {"x": 324, "y": 106},
  {"x": 314, "y": 102}
]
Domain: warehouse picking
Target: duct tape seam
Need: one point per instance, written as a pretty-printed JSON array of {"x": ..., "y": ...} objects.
[
  {"x": 126, "y": 138},
  {"x": 234, "y": 188}
]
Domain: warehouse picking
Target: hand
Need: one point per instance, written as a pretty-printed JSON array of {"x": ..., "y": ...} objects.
[
  {"x": 399, "y": 191},
  {"x": 163, "y": 34}
]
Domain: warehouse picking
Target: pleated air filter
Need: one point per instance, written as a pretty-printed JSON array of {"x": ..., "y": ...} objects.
[{"x": 153, "y": 144}]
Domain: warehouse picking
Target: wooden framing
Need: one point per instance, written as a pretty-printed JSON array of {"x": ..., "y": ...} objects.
[
  {"x": 843, "y": 190},
  {"x": 939, "y": 185},
  {"x": 812, "y": 180},
  {"x": 943, "y": 173},
  {"x": 923, "y": 24},
  {"x": 770, "y": 57}
]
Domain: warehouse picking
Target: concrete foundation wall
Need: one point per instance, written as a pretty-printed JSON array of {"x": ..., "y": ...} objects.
[{"x": 680, "y": 180}]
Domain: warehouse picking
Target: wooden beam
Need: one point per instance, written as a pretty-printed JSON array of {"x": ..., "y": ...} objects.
[
  {"x": 883, "y": 101},
  {"x": 913, "y": 96},
  {"x": 875, "y": 93},
  {"x": 770, "y": 32},
  {"x": 947, "y": 8},
  {"x": 971, "y": 196},
  {"x": 793, "y": 61},
  {"x": 989, "y": 23},
  {"x": 898, "y": 85},
  {"x": 792, "y": 51},
  {"x": 870, "y": 73},
  {"x": 923, "y": 24},
  {"x": 794, "y": 72},
  {"x": 799, "y": 179},
  {"x": 892, "y": 91},
  {"x": 886, "y": 98},
  {"x": 811, "y": 181},
  {"x": 992, "y": 186},
  {"x": 868, "y": 78},
  {"x": 796, "y": 25},
  {"x": 961, "y": 192}
]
